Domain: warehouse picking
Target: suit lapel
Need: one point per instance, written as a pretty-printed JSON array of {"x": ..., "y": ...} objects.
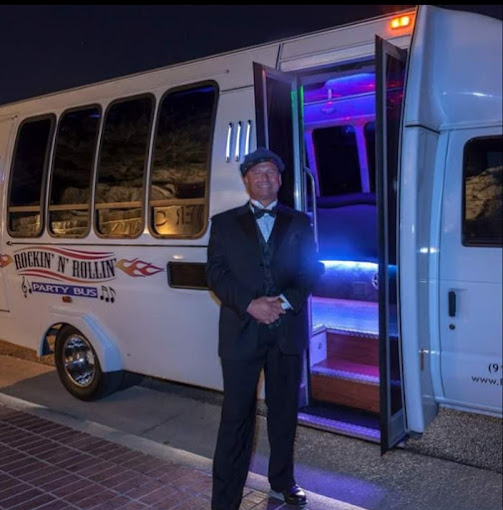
[{"x": 248, "y": 224}]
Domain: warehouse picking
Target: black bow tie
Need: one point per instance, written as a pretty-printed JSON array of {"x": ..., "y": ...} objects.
[{"x": 258, "y": 212}]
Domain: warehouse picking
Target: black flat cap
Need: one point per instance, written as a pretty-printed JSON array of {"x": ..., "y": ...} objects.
[{"x": 259, "y": 156}]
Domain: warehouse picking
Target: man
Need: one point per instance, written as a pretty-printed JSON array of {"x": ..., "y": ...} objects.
[{"x": 262, "y": 266}]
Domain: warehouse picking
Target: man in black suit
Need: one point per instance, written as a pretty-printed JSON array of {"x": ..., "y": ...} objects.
[{"x": 262, "y": 266}]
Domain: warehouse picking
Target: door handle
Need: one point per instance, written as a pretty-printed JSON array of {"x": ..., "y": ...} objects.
[
  {"x": 452, "y": 303},
  {"x": 310, "y": 176}
]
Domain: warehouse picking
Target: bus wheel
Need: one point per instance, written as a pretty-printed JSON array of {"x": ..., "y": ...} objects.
[{"x": 79, "y": 368}]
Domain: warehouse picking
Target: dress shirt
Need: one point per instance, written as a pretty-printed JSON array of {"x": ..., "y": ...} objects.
[{"x": 266, "y": 222}]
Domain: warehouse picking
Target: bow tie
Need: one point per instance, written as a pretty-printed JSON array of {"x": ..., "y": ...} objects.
[{"x": 260, "y": 212}]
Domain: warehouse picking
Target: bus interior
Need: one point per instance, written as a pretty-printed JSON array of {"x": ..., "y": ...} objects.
[{"x": 343, "y": 383}]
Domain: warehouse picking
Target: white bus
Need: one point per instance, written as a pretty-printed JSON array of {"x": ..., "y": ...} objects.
[{"x": 391, "y": 130}]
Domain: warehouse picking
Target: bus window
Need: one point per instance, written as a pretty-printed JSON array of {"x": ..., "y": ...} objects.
[
  {"x": 27, "y": 180},
  {"x": 120, "y": 177},
  {"x": 337, "y": 160},
  {"x": 483, "y": 192},
  {"x": 72, "y": 172},
  {"x": 180, "y": 163}
]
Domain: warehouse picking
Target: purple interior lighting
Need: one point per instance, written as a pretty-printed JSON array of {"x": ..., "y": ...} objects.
[
  {"x": 340, "y": 87},
  {"x": 351, "y": 85},
  {"x": 345, "y": 97}
]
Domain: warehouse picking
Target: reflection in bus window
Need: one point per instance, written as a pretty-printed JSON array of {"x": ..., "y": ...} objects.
[
  {"x": 180, "y": 168},
  {"x": 483, "y": 192},
  {"x": 28, "y": 170},
  {"x": 72, "y": 172},
  {"x": 119, "y": 188}
]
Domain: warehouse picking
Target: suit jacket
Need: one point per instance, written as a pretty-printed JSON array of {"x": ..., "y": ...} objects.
[{"x": 235, "y": 274}]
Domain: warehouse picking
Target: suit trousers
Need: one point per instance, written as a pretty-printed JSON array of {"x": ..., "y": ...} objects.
[{"x": 237, "y": 426}]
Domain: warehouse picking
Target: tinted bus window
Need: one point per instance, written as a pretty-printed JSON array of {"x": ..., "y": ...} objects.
[
  {"x": 121, "y": 170},
  {"x": 180, "y": 167},
  {"x": 72, "y": 172},
  {"x": 28, "y": 171},
  {"x": 337, "y": 160},
  {"x": 483, "y": 192}
]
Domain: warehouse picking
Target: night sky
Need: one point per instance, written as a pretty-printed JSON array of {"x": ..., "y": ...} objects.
[{"x": 48, "y": 48}]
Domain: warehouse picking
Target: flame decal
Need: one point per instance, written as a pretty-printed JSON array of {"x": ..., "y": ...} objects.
[
  {"x": 5, "y": 260},
  {"x": 137, "y": 267}
]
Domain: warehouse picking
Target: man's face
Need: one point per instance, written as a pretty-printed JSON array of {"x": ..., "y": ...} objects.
[{"x": 262, "y": 182}]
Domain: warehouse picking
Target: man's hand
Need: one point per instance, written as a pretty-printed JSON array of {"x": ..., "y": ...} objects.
[{"x": 266, "y": 309}]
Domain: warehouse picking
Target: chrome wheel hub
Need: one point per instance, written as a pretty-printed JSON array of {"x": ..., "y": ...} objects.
[{"x": 79, "y": 360}]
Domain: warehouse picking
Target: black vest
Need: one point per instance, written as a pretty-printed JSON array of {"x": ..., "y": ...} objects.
[
  {"x": 269, "y": 287},
  {"x": 266, "y": 251}
]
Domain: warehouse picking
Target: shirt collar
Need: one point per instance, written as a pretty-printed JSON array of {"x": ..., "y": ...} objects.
[{"x": 257, "y": 204}]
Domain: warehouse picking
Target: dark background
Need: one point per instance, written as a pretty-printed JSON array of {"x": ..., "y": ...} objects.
[{"x": 48, "y": 48}]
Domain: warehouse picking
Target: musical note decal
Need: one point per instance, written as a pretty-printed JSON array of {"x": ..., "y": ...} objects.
[
  {"x": 26, "y": 287},
  {"x": 104, "y": 293},
  {"x": 107, "y": 294}
]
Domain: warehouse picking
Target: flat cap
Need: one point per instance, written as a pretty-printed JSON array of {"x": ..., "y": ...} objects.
[{"x": 259, "y": 156}]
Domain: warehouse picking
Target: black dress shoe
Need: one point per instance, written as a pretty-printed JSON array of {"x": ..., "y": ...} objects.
[{"x": 294, "y": 496}]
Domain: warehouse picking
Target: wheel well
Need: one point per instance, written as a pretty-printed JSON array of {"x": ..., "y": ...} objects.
[
  {"x": 106, "y": 348},
  {"x": 49, "y": 338}
]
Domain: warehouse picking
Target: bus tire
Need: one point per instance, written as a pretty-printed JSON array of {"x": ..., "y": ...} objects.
[{"x": 79, "y": 368}]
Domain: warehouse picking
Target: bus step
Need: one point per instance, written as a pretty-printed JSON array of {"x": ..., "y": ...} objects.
[{"x": 346, "y": 383}]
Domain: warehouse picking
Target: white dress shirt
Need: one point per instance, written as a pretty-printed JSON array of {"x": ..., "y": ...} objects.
[{"x": 266, "y": 223}]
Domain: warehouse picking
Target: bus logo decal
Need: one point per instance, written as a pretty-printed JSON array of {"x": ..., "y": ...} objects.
[
  {"x": 66, "y": 290},
  {"x": 137, "y": 268},
  {"x": 65, "y": 264}
]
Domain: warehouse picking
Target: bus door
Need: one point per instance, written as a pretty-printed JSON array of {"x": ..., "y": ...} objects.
[
  {"x": 277, "y": 121},
  {"x": 390, "y": 85},
  {"x": 279, "y": 110},
  {"x": 276, "y": 110},
  {"x": 6, "y": 127}
]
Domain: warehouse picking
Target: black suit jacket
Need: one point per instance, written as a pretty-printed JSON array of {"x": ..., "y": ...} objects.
[{"x": 235, "y": 274}]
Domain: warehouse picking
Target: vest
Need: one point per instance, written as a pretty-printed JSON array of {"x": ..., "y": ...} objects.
[
  {"x": 269, "y": 287},
  {"x": 266, "y": 251}
]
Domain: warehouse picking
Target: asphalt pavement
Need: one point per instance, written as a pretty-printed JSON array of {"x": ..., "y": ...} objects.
[{"x": 177, "y": 424}]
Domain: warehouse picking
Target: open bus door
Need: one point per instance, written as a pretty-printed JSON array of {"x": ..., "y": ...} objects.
[
  {"x": 277, "y": 113},
  {"x": 390, "y": 87},
  {"x": 279, "y": 117}
]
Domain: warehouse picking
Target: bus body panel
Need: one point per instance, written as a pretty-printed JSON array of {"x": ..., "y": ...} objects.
[
  {"x": 6, "y": 132},
  {"x": 232, "y": 71},
  {"x": 352, "y": 42},
  {"x": 471, "y": 276},
  {"x": 418, "y": 189},
  {"x": 446, "y": 88},
  {"x": 235, "y": 118},
  {"x": 444, "y": 94}
]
